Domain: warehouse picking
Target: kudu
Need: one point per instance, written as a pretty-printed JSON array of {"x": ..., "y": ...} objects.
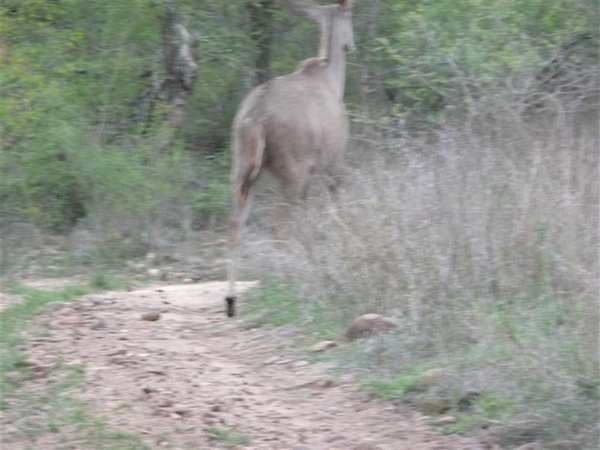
[{"x": 293, "y": 125}]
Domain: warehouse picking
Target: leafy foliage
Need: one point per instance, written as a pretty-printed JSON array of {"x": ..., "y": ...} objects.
[
  {"x": 435, "y": 57},
  {"x": 83, "y": 78}
]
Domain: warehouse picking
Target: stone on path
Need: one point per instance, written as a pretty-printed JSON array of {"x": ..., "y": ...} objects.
[{"x": 369, "y": 324}]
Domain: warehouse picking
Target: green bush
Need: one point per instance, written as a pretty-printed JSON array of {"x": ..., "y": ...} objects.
[{"x": 434, "y": 58}]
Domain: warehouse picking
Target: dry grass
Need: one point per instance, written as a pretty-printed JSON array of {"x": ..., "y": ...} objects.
[{"x": 484, "y": 246}]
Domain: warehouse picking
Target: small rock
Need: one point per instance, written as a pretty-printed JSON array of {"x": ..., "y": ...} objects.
[
  {"x": 183, "y": 412},
  {"x": 301, "y": 447},
  {"x": 530, "y": 446},
  {"x": 366, "y": 446},
  {"x": 148, "y": 390},
  {"x": 325, "y": 383},
  {"x": 160, "y": 412},
  {"x": 445, "y": 420},
  {"x": 321, "y": 383},
  {"x": 271, "y": 360},
  {"x": 121, "y": 360},
  {"x": 282, "y": 362},
  {"x": 157, "y": 371},
  {"x": 167, "y": 403},
  {"x": 433, "y": 375},
  {"x": 153, "y": 272},
  {"x": 369, "y": 324},
  {"x": 435, "y": 405},
  {"x": 152, "y": 316},
  {"x": 98, "y": 325},
  {"x": 489, "y": 423},
  {"x": 300, "y": 364},
  {"x": 492, "y": 446},
  {"x": 334, "y": 438},
  {"x": 323, "y": 346},
  {"x": 31, "y": 363},
  {"x": 71, "y": 322}
]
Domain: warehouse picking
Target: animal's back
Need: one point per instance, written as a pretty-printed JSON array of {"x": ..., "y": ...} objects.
[
  {"x": 305, "y": 124},
  {"x": 304, "y": 119}
]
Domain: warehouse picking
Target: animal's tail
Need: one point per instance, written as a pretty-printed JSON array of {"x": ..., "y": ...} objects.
[
  {"x": 248, "y": 153},
  {"x": 249, "y": 148}
]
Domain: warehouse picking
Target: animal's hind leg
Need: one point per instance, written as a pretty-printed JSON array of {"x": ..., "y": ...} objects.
[
  {"x": 294, "y": 190},
  {"x": 237, "y": 219},
  {"x": 338, "y": 176},
  {"x": 249, "y": 146}
]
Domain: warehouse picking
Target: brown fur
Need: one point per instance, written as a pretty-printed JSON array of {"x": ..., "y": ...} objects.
[{"x": 293, "y": 126}]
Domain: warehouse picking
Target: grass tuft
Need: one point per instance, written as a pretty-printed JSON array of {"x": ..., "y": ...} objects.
[{"x": 227, "y": 436}]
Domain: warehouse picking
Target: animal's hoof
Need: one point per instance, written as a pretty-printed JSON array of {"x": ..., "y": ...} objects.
[{"x": 230, "y": 300}]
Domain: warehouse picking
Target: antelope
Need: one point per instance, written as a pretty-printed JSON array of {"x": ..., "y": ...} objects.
[{"x": 293, "y": 125}]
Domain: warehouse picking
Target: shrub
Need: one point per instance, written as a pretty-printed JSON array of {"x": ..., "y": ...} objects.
[{"x": 483, "y": 245}]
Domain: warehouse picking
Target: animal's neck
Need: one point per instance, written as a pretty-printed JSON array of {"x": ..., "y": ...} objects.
[{"x": 332, "y": 48}]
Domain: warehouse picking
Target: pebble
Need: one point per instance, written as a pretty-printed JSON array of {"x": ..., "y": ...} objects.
[
  {"x": 151, "y": 316},
  {"x": 98, "y": 325},
  {"x": 334, "y": 438},
  {"x": 323, "y": 346},
  {"x": 445, "y": 420},
  {"x": 300, "y": 364},
  {"x": 271, "y": 360}
]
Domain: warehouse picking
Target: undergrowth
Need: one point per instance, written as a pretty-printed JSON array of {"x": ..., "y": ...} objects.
[{"x": 483, "y": 246}]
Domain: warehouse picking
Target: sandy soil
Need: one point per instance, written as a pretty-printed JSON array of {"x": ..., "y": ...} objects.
[{"x": 179, "y": 378}]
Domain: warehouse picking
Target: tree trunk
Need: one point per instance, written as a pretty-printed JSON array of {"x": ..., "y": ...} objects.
[
  {"x": 181, "y": 70},
  {"x": 261, "y": 32},
  {"x": 368, "y": 87}
]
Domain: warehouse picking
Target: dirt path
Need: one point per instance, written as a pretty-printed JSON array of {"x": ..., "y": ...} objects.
[{"x": 195, "y": 380}]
